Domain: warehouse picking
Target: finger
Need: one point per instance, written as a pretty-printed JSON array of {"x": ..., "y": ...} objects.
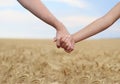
[
  {"x": 58, "y": 42},
  {"x": 70, "y": 48},
  {"x": 67, "y": 47},
  {"x": 73, "y": 45},
  {"x": 54, "y": 39},
  {"x": 65, "y": 42},
  {"x": 65, "y": 38},
  {"x": 67, "y": 51}
]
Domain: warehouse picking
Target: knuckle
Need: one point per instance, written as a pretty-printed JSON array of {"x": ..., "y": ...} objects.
[{"x": 67, "y": 44}]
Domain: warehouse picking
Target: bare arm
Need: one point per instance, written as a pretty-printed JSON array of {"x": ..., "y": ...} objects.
[
  {"x": 99, "y": 25},
  {"x": 39, "y": 10}
]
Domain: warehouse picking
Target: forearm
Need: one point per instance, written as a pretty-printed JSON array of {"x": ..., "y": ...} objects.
[
  {"x": 98, "y": 25},
  {"x": 92, "y": 29},
  {"x": 39, "y": 10}
]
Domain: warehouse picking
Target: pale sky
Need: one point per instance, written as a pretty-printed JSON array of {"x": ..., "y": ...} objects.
[{"x": 17, "y": 22}]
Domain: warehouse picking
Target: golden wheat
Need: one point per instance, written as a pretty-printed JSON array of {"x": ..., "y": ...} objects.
[{"x": 40, "y": 62}]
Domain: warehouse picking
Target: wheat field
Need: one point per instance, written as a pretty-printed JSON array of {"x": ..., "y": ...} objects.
[{"x": 40, "y": 62}]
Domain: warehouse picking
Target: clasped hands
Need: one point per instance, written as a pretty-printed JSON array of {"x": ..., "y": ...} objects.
[{"x": 64, "y": 40}]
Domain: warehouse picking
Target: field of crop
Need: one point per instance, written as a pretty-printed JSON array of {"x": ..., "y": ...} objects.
[{"x": 40, "y": 62}]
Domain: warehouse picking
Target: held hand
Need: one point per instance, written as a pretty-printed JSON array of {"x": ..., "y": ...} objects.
[
  {"x": 67, "y": 42},
  {"x": 59, "y": 35},
  {"x": 64, "y": 40}
]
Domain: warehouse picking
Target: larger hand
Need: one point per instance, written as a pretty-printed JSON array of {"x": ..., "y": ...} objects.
[{"x": 64, "y": 40}]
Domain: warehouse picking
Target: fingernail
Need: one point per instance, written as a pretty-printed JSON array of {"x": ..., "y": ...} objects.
[{"x": 58, "y": 46}]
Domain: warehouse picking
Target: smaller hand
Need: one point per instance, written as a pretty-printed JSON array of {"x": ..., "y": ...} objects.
[
  {"x": 59, "y": 35},
  {"x": 61, "y": 32},
  {"x": 67, "y": 43},
  {"x": 63, "y": 39}
]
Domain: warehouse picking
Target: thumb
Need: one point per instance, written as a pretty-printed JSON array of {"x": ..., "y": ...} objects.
[
  {"x": 58, "y": 42},
  {"x": 54, "y": 39}
]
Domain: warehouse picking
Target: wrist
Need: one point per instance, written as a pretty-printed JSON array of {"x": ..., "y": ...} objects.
[
  {"x": 60, "y": 27},
  {"x": 74, "y": 38}
]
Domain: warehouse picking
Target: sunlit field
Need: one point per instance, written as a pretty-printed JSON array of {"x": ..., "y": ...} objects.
[{"x": 40, "y": 62}]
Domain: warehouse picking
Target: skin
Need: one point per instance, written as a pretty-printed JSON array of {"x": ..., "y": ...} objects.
[
  {"x": 95, "y": 27},
  {"x": 37, "y": 8}
]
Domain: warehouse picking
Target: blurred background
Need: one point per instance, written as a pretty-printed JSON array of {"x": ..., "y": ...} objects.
[{"x": 17, "y": 22}]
